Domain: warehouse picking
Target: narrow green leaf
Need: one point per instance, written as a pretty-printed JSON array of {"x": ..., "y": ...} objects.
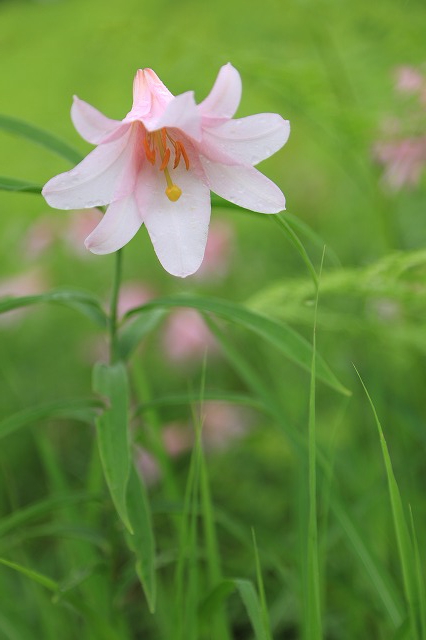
[
  {"x": 305, "y": 230},
  {"x": 380, "y": 580},
  {"x": 39, "y": 136},
  {"x": 261, "y": 589},
  {"x": 81, "y": 301},
  {"x": 33, "y": 575},
  {"x": 113, "y": 433},
  {"x": 184, "y": 399},
  {"x": 21, "y": 517},
  {"x": 405, "y": 546},
  {"x": 279, "y": 335},
  {"x": 295, "y": 241},
  {"x": 132, "y": 333},
  {"x": 214, "y": 601},
  {"x": 142, "y": 543},
  {"x": 313, "y": 617},
  {"x": 14, "y": 184},
  {"x": 83, "y": 410},
  {"x": 251, "y": 602}
]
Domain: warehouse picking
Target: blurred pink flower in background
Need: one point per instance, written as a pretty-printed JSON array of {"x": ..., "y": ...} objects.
[
  {"x": 133, "y": 294},
  {"x": 218, "y": 254},
  {"x": 78, "y": 227},
  {"x": 30, "y": 283},
  {"x": 147, "y": 466},
  {"x": 402, "y": 147},
  {"x": 408, "y": 79},
  {"x": 222, "y": 425},
  {"x": 40, "y": 236},
  {"x": 186, "y": 337},
  {"x": 403, "y": 161}
]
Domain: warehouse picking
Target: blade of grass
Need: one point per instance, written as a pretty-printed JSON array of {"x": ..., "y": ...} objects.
[
  {"x": 294, "y": 239},
  {"x": 35, "y": 576},
  {"x": 253, "y": 607},
  {"x": 219, "y": 625},
  {"x": 261, "y": 589},
  {"x": 313, "y": 618},
  {"x": 420, "y": 584},
  {"x": 40, "y": 509},
  {"x": 405, "y": 547}
]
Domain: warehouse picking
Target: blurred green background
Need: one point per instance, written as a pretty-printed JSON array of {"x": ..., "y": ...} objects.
[{"x": 329, "y": 67}]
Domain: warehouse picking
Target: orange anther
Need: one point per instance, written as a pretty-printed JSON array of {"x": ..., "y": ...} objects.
[
  {"x": 150, "y": 153},
  {"x": 166, "y": 159},
  {"x": 185, "y": 155},
  {"x": 177, "y": 154},
  {"x": 163, "y": 137}
]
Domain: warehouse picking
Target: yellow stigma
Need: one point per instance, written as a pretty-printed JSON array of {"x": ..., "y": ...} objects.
[{"x": 173, "y": 193}]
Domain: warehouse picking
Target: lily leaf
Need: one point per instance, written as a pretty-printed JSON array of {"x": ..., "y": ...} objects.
[
  {"x": 278, "y": 334},
  {"x": 83, "y": 410},
  {"x": 39, "y": 136},
  {"x": 13, "y": 184},
  {"x": 110, "y": 381},
  {"x": 81, "y": 301},
  {"x": 142, "y": 543}
]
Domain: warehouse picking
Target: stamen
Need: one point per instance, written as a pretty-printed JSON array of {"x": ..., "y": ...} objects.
[
  {"x": 177, "y": 155},
  {"x": 165, "y": 161},
  {"x": 185, "y": 155},
  {"x": 157, "y": 141}
]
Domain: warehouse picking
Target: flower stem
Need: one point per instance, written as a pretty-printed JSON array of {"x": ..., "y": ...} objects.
[{"x": 114, "y": 355}]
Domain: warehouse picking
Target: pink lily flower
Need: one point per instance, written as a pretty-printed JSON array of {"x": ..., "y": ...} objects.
[{"x": 158, "y": 165}]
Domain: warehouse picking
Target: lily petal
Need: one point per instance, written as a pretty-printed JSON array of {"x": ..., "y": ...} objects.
[
  {"x": 117, "y": 227},
  {"x": 244, "y": 186},
  {"x": 224, "y": 98},
  {"x": 150, "y": 96},
  {"x": 181, "y": 113},
  {"x": 107, "y": 174},
  {"x": 246, "y": 140},
  {"x": 178, "y": 230},
  {"x": 90, "y": 123}
]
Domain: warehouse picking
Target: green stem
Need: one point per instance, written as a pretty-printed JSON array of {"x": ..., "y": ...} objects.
[{"x": 114, "y": 355}]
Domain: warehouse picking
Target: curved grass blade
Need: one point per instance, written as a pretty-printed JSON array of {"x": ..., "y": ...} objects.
[
  {"x": 14, "y": 184},
  {"x": 83, "y": 410},
  {"x": 113, "y": 433},
  {"x": 279, "y": 335},
  {"x": 132, "y": 333},
  {"x": 184, "y": 399},
  {"x": 142, "y": 543},
  {"x": 21, "y": 517},
  {"x": 294, "y": 239},
  {"x": 405, "y": 545},
  {"x": 249, "y": 597},
  {"x": 253, "y": 607},
  {"x": 39, "y": 136},
  {"x": 81, "y": 301},
  {"x": 33, "y": 575}
]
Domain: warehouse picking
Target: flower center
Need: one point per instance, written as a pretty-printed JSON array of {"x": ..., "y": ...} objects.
[{"x": 164, "y": 143}]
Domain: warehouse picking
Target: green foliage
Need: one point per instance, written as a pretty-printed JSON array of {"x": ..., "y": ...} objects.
[{"x": 110, "y": 382}]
